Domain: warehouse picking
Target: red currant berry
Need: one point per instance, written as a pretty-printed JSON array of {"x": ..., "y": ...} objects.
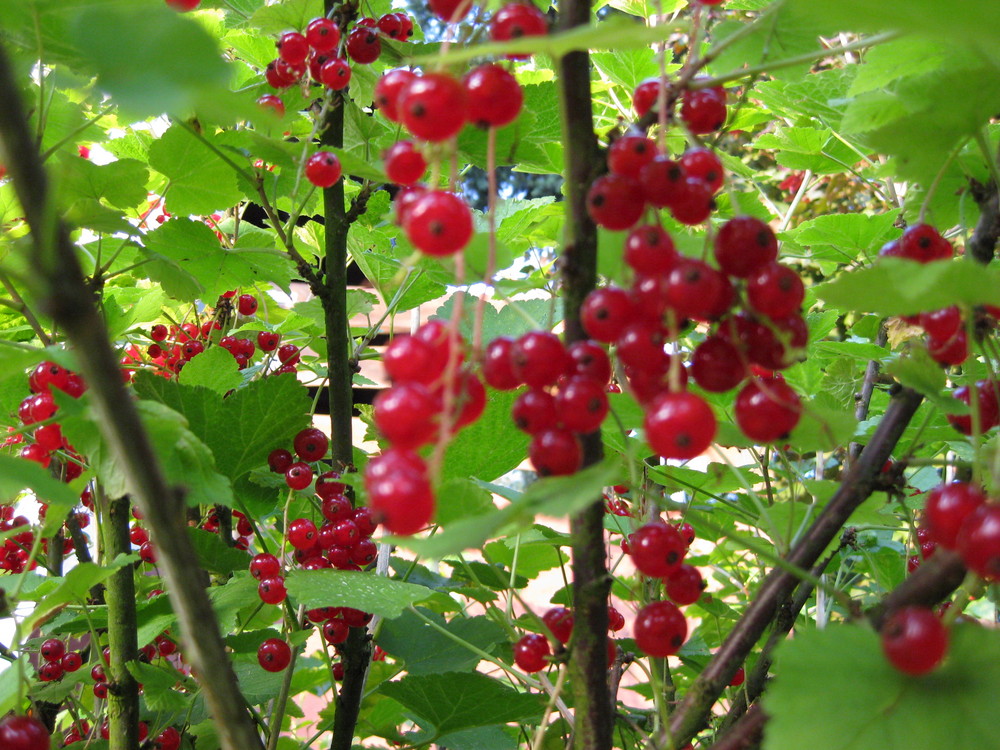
[
  {"x": 662, "y": 181},
  {"x": 451, "y": 11},
  {"x": 582, "y": 404},
  {"x": 23, "y": 733},
  {"x": 52, "y": 650},
  {"x": 311, "y": 444},
  {"x": 680, "y": 425},
  {"x": 692, "y": 202},
  {"x": 914, "y": 640},
  {"x": 498, "y": 369},
  {"x": 335, "y": 631},
  {"x": 539, "y": 358},
  {"x": 272, "y": 590},
  {"x": 530, "y": 652},
  {"x": 660, "y": 629},
  {"x": 391, "y": 25},
  {"x": 516, "y": 20},
  {"x": 274, "y": 655},
  {"x": 704, "y": 110},
  {"x": 168, "y": 739},
  {"x": 50, "y": 671},
  {"x": 363, "y": 45},
  {"x": 946, "y": 509},
  {"x": 323, "y": 169},
  {"x": 767, "y": 410},
  {"x": 684, "y": 585},
  {"x": 335, "y": 73},
  {"x": 402, "y": 502},
  {"x": 589, "y": 360},
  {"x": 986, "y": 400},
  {"x": 775, "y": 290},
  {"x": 717, "y": 366},
  {"x": 559, "y": 621},
  {"x": 264, "y": 566},
  {"x": 247, "y": 304},
  {"x": 615, "y": 201},
  {"x": 743, "y": 245},
  {"x": 387, "y": 91},
  {"x": 323, "y": 35},
  {"x": 534, "y": 411},
  {"x": 267, "y": 341},
  {"x": 923, "y": 243},
  {"x": 439, "y": 223},
  {"x": 433, "y": 107},
  {"x": 645, "y": 96},
  {"x": 71, "y": 661},
  {"x": 657, "y": 549},
  {"x": 302, "y": 533},
  {"x": 298, "y": 476},
  {"x": 739, "y": 678},
  {"x": 649, "y": 250},
  {"x": 493, "y": 96},
  {"x": 629, "y": 154},
  {"x": 605, "y": 313},
  {"x": 979, "y": 541},
  {"x": 616, "y": 620},
  {"x": 279, "y": 460},
  {"x": 404, "y": 164},
  {"x": 293, "y": 48},
  {"x": 704, "y": 164},
  {"x": 406, "y": 415},
  {"x": 555, "y": 453}
]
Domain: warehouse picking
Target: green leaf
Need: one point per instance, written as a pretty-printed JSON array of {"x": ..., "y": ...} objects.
[
  {"x": 200, "y": 182},
  {"x": 149, "y": 58},
  {"x": 214, "y": 555},
  {"x": 462, "y": 700},
  {"x": 894, "y": 286},
  {"x": 121, "y": 183},
  {"x": 822, "y": 428},
  {"x": 160, "y": 686},
  {"x": 863, "y": 703},
  {"x": 74, "y": 587},
  {"x": 809, "y": 148},
  {"x": 426, "y": 650},
  {"x": 215, "y": 369},
  {"x": 242, "y": 429},
  {"x": 489, "y": 447},
  {"x": 346, "y": 588},
  {"x": 843, "y": 237},
  {"x": 918, "y": 371},
  {"x": 18, "y": 475}
]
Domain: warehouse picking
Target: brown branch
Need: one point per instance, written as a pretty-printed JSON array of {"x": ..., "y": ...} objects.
[
  {"x": 746, "y": 733},
  {"x": 694, "y": 709},
  {"x": 864, "y": 396},
  {"x": 982, "y": 244},
  {"x": 65, "y": 297},
  {"x": 931, "y": 583},
  {"x": 588, "y": 667}
]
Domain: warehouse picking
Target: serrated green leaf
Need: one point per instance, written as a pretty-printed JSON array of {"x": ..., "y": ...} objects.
[
  {"x": 462, "y": 700},
  {"x": 160, "y": 686},
  {"x": 863, "y": 703},
  {"x": 346, "y": 588},
  {"x": 215, "y": 369},
  {"x": 214, "y": 555},
  {"x": 200, "y": 182},
  {"x": 895, "y": 286},
  {"x": 74, "y": 587},
  {"x": 18, "y": 475},
  {"x": 844, "y": 237},
  {"x": 426, "y": 650},
  {"x": 121, "y": 183}
]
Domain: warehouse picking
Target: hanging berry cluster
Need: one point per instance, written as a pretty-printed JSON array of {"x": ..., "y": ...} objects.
[{"x": 433, "y": 395}]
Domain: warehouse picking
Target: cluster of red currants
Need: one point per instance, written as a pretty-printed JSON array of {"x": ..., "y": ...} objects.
[
  {"x": 432, "y": 394},
  {"x": 173, "y": 347},
  {"x": 566, "y": 394},
  {"x": 657, "y": 550},
  {"x": 47, "y": 439},
  {"x": 532, "y": 651}
]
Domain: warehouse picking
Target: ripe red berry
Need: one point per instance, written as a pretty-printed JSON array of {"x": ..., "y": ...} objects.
[
  {"x": 247, "y": 304},
  {"x": 704, "y": 164},
  {"x": 946, "y": 509},
  {"x": 914, "y": 640},
  {"x": 279, "y": 460},
  {"x": 555, "y": 452},
  {"x": 402, "y": 502},
  {"x": 498, "y": 370},
  {"x": 739, "y": 678},
  {"x": 432, "y": 107},
  {"x": 645, "y": 96},
  {"x": 662, "y": 181},
  {"x": 23, "y": 733},
  {"x": 978, "y": 541},
  {"x": 288, "y": 354},
  {"x": 605, "y": 313},
  {"x": 298, "y": 476},
  {"x": 988, "y": 407},
  {"x": 50, "y": 671},
  {"x": 71, "y": 661},
  {"x": 493, "y": 96},
  {"x": 406, "y": 415},
  {"x": 335, "y": 73},
  {"x": 629, "y": 154},
  {"x": 680, "y": 425},
  {"x": 744, "y": 244},
  {"x": 391, "y": 25},
  {"x": 323, "y": 169},
  {"x": 323, "y": 35},
  {"x": 311, "y": 444},
  {"x": 767, "y": 410},
  {"x": 704, "y": 110},
  {"x": 267, "y": 341},
  {"x": 696, "y": 290},
  {"x": 923, "y": 243},
  {"x": 52, "y": 650},
  {"x": 657, "y": 549},
  {"x": 539, "y": 358},
  {"x": 717, "y": 366},
  {"x": 272, "y": 590},
  {"x": 534, "y": 411},
  {"x": 265, "y": 566},
  {"x": 293, "y": 48},
  {"x": 589, "y": 360},
  {"x": 439, "y": 223},
  {"x": 649, "y": 250},
  {"x": 615, "y": 201},
  {"x": 530, "y": 652},
  {"x": 302, "y": 533},
  {"x": 692, "y": 201},
  {"x": 266, "y": 102},
  {"x": 775, "y": 290},
  {"x": 168, "y": 739},
  {"x": 559, "y": 621},
  {"x": 684, "y": 585},
  {"x": 582, "y": 404},
  {"x": 616, "y": 620},
  {"x": 451, "y": 11},
  {"x": 387, "y": 91},
  {"x": 363, "y": 45},
  {"x": 404, "y": 164},
  {"x": 516, "y": 20},
  {"x": 274, "y": 655},
  {"x": 660, "y": 629}
]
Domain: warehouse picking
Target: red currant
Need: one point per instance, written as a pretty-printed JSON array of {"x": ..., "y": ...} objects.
[
  {"x": 559, "y": 621},
  {"x": 660, "y": 629},
  {"x": 947, "y": 507},
  {"x": 274, "y": 655},
  {"x": 272, "y": 590},
  {"x": 439, "y": 223},
  {"x": 555, "y": 452},
  {"x": 680, "y": 425},
  {"x": 767, "y": 410},
  {"x": 516, "y": 20},
  {"x": 914, "y": 640},
  {"x": 323, "y": 169},
  {"x": 323, "y": 35},
  {"x": 493, "y": 96},
  {"x": 363, "y": 45},
  {"x": 387, "y": 91},
  {"x": 684, "y": 585},
  {"x": 615, "y": 201},
  {"x": 978, "y": 541},
  {"x": 404, "y": 164},
  {"x": 530, "y": 652},
  {"x": 657, "y": 549},
  {"x": 311, "y": 444},
  {"x": 433, "y": 107}
]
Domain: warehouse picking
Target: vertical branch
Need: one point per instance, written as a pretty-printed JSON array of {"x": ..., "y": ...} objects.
[
  {"x": 356, "y": 650},
  {"x": 65, "y": 296},
  {"x": 591, "y": 583},
  {"x": 123, "y": 691}
]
